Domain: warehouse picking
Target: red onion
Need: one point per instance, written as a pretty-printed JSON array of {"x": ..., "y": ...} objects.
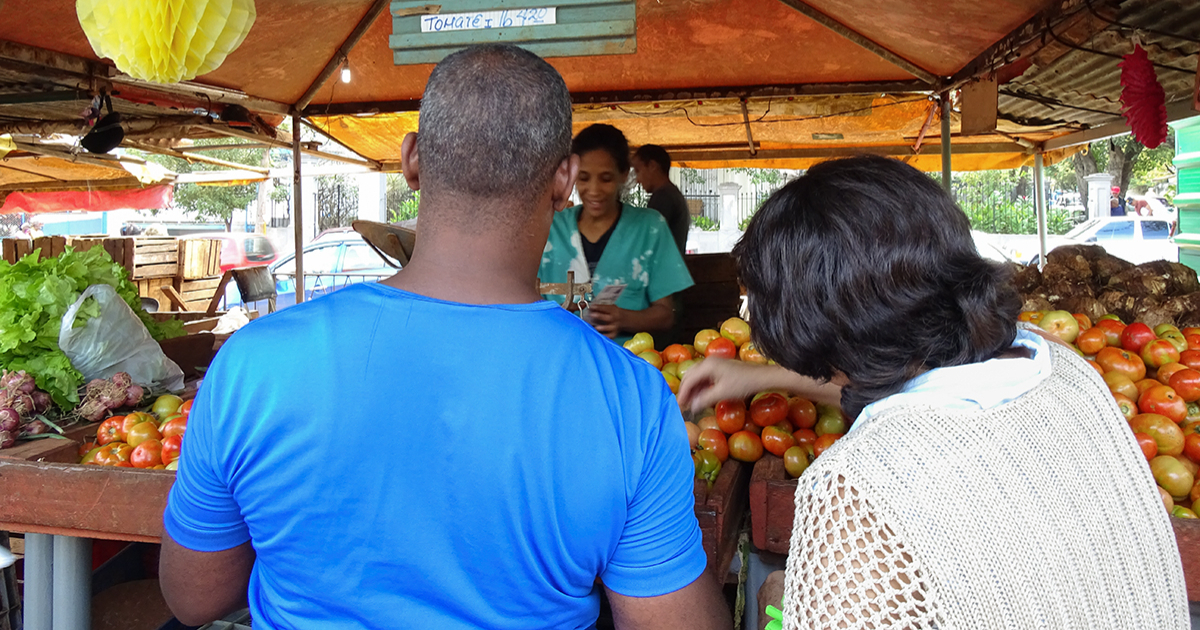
[
  {"x": 133, "y": 395},
  {"x": 37, "y": 427},
  {"x": 18, "y": 382},
  {"x": 7, "y": 439},
  {"x": 122, "y": 379},
  {"x": 23, "y": 404},
  {"x": 41, "y": 401},
  {"x": 9, "y": 420}
]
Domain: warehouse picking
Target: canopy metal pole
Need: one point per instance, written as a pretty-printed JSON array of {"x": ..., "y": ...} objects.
[
  {"x": 946, "y": 141},
  {"x": 297, "y": 214},
  {"x": 1039, "y": 191},
  {"x": 72, "y": 583}
]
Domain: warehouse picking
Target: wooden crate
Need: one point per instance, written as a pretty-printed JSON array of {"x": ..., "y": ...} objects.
[
  {"x": 155, "y": 257},
  {"x": 120, "y": 249},
  {"x": 714, "y": 298},
  {"x": 199, "y": 258},
  {"x": 719, "y": 511},
  {"x": 197, "y": 292},
  {"x": 15, "y": 249},
  {"x": 153, "y": 288},
  {"x": 772, "y": 505}
]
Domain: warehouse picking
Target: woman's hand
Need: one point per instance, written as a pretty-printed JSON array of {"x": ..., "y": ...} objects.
[{"x": 606, "y": 318}]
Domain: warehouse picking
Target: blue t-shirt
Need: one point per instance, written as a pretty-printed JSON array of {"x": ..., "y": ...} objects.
[{"x": 400, "y": 461}]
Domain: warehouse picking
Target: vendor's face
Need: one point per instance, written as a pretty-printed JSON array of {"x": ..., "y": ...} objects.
[{"x": 599, "y": 182}]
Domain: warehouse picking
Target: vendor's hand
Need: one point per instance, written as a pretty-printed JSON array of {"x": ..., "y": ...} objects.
[
  {"x": 713, "y": 380},
  {"x": 606, "y": 318}
]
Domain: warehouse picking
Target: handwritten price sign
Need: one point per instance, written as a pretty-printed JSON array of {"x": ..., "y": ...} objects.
[{"x": 487, "y": 19}]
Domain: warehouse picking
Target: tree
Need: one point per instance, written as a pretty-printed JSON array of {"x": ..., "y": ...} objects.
[
  {"x": 215, "y": 201},
  {"x": 401, "y": 200},
  {"x": 1126, "y": 159},
  {"x": 337, "y": 202}
]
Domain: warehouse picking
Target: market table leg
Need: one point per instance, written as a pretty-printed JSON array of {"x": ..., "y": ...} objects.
[
  {"x": 72, "y": 583},
  {"x": 39, "y": 565}
]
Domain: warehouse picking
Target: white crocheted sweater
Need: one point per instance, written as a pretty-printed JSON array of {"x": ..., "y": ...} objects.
[{"x": 1039, "y": 513}]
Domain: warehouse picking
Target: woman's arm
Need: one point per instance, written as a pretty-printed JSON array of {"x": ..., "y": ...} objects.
[
  {"x": 714, "y": 380},
  {"x": 612, "y": 320}
]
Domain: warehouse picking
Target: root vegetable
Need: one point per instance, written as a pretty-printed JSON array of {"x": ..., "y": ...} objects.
[
  {"x": 10, "y": 420},
  {"x": 7, "y": 439},
  {"x": 133, "y": 395},
  {"x": 41, "y": 401},
  {"x": 92, "y": 411},
  {"x": 95, "y": 386},
  {"x": 18, "y": 382},
  {"x": 37, "y": 427},
  {"x": 122, "y": 379},
  {"x": 23, "y": 404}
]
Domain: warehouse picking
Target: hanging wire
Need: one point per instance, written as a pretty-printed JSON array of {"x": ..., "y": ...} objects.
[
  {"x": 1108, "y": 54},
  {"x": 1140, "y": 28}
]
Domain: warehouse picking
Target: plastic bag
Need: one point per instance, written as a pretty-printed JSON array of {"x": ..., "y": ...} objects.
[{"x": 116, "y": 341}]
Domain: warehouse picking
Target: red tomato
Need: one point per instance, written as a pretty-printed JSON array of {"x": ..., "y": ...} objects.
[
  {"x": 751, "y": 427},
  {"x": 1119, "y": 383},
  {"x": 1123, "y": 361},
  {"x": 1085, "y": 322},
  {"x": 1159, "y": 352},
  {"x": 142, "y": 432},
  {"x": 674, "y": 353},
  {"x": 1112, "y": 331},
  {"x": 749, "y": 353},
  {"x": 1032, "y": 317},
  {"x": 1163, "y": 401},
  {"x": 802, "y": 413},
  {"x": 721, "y": 348},
  {"x": 713, "y": 440},
  {"x": 1091, "y": 341},
  {"x": 744, "y": 446},
  {"x": 1145, "y": 385},
  {"x": 1136, "y": 336},
  {"x": 110, "y": 430},
  {"x": 804, "y": 436},
  {"x": 1190, "y": 358},
  {"x": 1193, "y": 341},
  {"x": 148, "y": 454},
  {"x": 186, "y": 407},
  {"x": 768, "y": 410},
  {"x": 777, "y": 440},
  {"x": 1148, "y": 445},
  {"x": 1186, "y": 383},
  {"x": 133, "y": 420},
  {"x": 731, "y": 416},
  {"x": 1096, "y": 366},
  {"x": 824, "y": 442},
  {"x": 1128, "y": 408},
  {"x": 171, "y": 447},
  {"x": 177, "y": 426},
  {"x": 1191, "y": 447},
  {"x": 114, "y": 454},
  {"x": 1164, "y": 373}
]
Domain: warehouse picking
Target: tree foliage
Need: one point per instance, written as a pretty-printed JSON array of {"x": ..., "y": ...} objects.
[
  {"x": 1130, "y": 163},
  {"x": 212, "y": 202},
  {"x": 401, "y": 200}
]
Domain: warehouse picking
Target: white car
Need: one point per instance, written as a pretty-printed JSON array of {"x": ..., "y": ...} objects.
[{"x": 1133, "y": 238}]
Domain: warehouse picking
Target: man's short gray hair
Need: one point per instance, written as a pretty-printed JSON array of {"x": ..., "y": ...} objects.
[{"x": 495, "y": 121}]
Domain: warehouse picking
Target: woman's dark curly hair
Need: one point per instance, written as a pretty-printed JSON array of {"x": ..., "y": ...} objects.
[
  {"x": 606, "y": 137},
  {"x": 866, "y": 266}
]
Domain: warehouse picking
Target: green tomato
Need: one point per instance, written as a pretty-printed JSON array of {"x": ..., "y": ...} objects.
[
  {"x": 707, "y": 465},
  {"x": 830, "y": 424}
]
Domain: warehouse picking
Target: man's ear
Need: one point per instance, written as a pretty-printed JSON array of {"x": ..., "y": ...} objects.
[
  {"x": 410, "y": 161},
  {"x": 564, "y": 182}
]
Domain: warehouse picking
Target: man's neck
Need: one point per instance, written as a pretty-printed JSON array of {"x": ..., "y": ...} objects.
[{"x": 471, "y": 268}]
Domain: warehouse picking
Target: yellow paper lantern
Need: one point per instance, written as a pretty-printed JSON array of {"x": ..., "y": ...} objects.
[{"x": 165, "y": 41}]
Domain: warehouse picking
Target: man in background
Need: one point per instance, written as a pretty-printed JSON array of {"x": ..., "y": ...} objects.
[
  {"x": 652, "y": 164},
  {"x": 396, "y": 454}
]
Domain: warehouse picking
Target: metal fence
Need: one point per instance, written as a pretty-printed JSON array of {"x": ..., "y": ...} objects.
[{"x": 11, "y": 223}]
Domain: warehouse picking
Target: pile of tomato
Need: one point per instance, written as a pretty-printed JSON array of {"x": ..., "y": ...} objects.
[
  {"x": 1154, "y": 376},
  {"x": 770, "y": 422},
  {"x": 141, "y": 439}
]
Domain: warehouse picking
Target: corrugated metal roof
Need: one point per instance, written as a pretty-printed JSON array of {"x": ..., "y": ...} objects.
[{"x": 1083, "y": 87}]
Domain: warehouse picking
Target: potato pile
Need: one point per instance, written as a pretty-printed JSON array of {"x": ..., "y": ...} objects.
[{"x": 1086, "y": 279}]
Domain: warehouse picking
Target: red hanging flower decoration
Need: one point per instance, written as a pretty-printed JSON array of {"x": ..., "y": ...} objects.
[{"x": 1143, "y": 100}]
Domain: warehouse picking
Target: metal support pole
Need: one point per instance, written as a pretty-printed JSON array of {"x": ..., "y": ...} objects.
[
  {"x": 72, "y": 583},
  {"x": 297, "y": 205},
  {"x": 39, "y": 585},
  {"x": 945, "y": 98},
  {"x": 1039, "y": 190}
]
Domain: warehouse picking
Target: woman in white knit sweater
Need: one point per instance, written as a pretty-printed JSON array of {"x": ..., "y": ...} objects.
[{"x": 988, "y": 480}]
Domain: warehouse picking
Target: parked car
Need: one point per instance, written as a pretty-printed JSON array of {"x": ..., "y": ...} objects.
[
  {"x": 242, "y": 249},
  {"x": 989, "y": 249},
  {"x": 336, "y": 261},
  {"x": 1133, "y": 238}
]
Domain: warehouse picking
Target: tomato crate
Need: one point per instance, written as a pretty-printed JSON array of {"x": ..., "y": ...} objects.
[
  {"x": 772, "y": 505},
  {"x": 720, "y": 510}
]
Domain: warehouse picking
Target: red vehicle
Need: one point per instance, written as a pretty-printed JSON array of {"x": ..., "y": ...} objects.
[{"x": 243, "y": 249}]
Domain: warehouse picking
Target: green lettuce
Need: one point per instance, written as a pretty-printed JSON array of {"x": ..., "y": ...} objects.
[{"x": 35, "y": 293}]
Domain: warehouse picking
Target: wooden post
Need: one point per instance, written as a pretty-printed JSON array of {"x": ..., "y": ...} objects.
[{"x": 297, "y": 205}]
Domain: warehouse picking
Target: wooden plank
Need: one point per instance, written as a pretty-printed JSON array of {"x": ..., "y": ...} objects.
[
  {"x": 141, "y": 259},
  {"x": 1187, "y": 539},
  {"x": 979, "y": 104},
  {"x": 8, "y": 247},
  {"x": 219, "y": 293},
  {"x": 175, "y": 298},
  {"x": 200, "y": 285},
  {"x": 719, "y": 512},
  {"x": 119, "y": 502},
  {"x": 166, "y": 270}
]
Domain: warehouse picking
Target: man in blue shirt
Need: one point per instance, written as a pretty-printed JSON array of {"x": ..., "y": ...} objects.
[{"x": 444, "y": 449}]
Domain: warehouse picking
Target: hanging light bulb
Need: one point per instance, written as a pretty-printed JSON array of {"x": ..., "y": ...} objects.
[{"x": 345, "y": 74}]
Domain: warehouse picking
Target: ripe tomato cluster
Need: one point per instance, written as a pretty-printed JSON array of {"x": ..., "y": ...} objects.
[
  {"x": 1154, "y": 377},
  {"x": 771, "y": 422},
  {"x": 140, "y": 439}
]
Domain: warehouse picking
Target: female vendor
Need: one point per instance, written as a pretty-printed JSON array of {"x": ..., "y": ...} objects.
[{"x": 610, "y": 243}]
